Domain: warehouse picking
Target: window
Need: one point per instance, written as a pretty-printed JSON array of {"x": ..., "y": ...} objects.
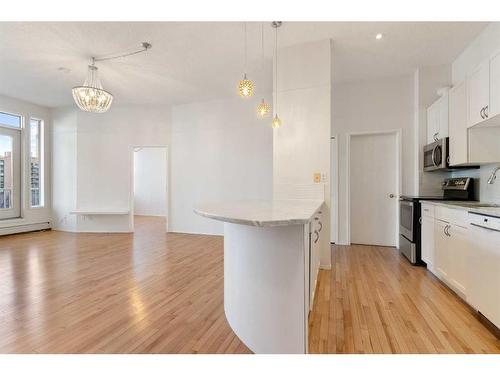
[
  {"x": 36, "y": 163},
  {"x": 9, "y": 120}
]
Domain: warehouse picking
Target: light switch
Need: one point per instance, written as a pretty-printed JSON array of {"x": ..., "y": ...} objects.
[{"x": 317, "y": 177}]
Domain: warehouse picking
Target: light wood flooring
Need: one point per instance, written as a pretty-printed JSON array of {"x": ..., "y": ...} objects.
[
  {"x": 152, "y": 292},
  {"x": 374, "y": 301},
  {"x": 148, "y": 292}
]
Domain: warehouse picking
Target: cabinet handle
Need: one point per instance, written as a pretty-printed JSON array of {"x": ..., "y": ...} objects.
[
  {"x": 435, "y": 136},
  {"x": 486, "y": 112},
  {"x": 481, "y": 113},
  {"x": 317, "y": 236},
  {"x": 320, "y": 225}
]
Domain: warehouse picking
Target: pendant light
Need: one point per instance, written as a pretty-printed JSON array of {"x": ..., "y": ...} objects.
[
  {"x": 245, "y": 86},
  {"x": 276, "y": 123},
  {"x": 91, "y": 97},
  {"x": 263, "y": 108}
]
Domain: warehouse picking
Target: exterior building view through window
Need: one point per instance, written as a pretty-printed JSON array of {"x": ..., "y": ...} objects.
[
  {"x": 5, "y": 172},
  {"x": 36, "y": 198}
]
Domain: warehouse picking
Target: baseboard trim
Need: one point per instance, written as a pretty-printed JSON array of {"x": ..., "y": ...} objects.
[
  {"x": 24, "y": 228},
  {"x": 325, "y": 267}
]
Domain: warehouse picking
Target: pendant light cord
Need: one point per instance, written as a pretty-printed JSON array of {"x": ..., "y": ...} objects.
[
  {"x": 246, "y": 63},
  {"x": 276, "y": 62}
]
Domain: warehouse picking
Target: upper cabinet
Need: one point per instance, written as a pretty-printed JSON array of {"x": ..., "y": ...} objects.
[
  {"x": 494, "y": 109},
  {"x": 437, "y": 119},
  {"x": 459, "y": 145},
  {"x": 483, "y": 93},
  {"x": 478, "y": 93}
]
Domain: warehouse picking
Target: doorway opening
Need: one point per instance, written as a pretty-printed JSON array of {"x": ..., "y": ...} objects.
[
  {"x": 373, "y": 187},
  {"x": 150, "y": 185}
]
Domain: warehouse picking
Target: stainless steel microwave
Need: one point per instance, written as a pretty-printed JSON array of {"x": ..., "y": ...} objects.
[{"x": 436, "y": 155}]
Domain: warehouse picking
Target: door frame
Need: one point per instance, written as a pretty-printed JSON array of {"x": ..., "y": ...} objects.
[
  {"x": 398, "y": 133},
  {"x": 334, "y": 187},
  {"x": 167, "y": 187}
]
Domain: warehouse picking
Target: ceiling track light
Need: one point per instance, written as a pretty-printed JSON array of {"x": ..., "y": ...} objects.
[
  {"x": 245, "y": 86},
  {"x": 91, "y": 97},
  {"x": 276, "y": 122}
]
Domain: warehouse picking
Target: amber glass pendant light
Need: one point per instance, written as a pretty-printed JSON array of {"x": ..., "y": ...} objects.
[
  {"x": 263, "y": 109},
  {"x": 245, "y": 86},
  {"x": 276, "y": 123}
]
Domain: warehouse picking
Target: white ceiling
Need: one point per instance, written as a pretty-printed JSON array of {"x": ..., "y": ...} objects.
[{"x": 195, "y": 61}]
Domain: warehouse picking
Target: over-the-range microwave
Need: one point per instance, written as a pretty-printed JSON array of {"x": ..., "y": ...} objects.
[{"x": 436, "y": 155}]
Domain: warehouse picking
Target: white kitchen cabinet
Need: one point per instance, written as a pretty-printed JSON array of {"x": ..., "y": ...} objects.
[
  {"x": 494, "y": 86},
  {"x": 315, "y": 255},
  {"x": 437, "y": 119},
  {"x": 478, "y": 94},
  {"x": 427, "y": 240},
  {"x": 458, "y": 133},
  {"x": 451, "y": 243}
]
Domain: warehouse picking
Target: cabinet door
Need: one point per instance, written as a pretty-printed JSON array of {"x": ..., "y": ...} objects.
[
  {"x": 494, "y": 86},
  {"x": 443, "y": 109},
  {"x": 432, "y": 122},
  {"x": 478, "y": 93},
  {"x": 458, "y": 125},
  {"x": 458, "y": 246},
  {"x": 442, "y": 254},
  {"x": 428, "y": 241}
]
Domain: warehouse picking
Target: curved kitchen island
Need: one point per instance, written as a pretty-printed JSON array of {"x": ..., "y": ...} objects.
[{"x": 271, "y": 261}]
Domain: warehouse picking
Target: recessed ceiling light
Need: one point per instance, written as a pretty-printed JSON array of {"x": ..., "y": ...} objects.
[{"x": 378, "y": 36}]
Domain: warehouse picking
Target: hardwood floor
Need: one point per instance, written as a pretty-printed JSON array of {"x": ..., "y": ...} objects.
[
  {"x": 374, "y": 301},
  {"x": 152, "y": 292},
  {"x": 149, "y": 292}
]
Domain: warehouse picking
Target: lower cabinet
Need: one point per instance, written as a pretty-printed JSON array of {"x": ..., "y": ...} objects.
[
  {"x": 451, "y": 243},
  {"x": 428, "y": 251},
  {"x": 316, "y": 237}
]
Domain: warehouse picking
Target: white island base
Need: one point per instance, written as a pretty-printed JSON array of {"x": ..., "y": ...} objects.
[
  {"x": 268, "y": 266},
  {"x": 266, "y": 286}
]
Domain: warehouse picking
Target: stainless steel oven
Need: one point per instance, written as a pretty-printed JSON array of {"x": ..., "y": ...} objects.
[
  {"x": 406, "y": 217},
  {"x": 436, "y": 155}
]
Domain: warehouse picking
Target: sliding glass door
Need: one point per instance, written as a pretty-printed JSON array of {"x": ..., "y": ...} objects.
[{"x": 10, "y": 173}]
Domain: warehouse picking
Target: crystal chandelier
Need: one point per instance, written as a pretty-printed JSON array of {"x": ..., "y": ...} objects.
[
  {"x": 91, "y": 97},
  {"x": 245, "y": 86},
  {"x": 276, "y": 123}
]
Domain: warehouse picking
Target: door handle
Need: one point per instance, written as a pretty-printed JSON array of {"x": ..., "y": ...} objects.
[{"x": 392, "y": 195}]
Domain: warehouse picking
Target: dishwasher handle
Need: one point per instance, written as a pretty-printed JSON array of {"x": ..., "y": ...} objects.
[{"x": 487, "y": 228}]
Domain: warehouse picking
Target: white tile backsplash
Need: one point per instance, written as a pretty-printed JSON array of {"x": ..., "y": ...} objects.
[{"x": 483, "y": 191}]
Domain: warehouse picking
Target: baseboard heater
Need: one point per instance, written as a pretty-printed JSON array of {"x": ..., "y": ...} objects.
[{"x": 22, "y": 228}]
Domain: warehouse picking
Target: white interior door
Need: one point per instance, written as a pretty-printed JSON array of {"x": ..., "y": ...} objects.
[
  {"x": 10, "y": 173},
  {"x": 374, "y": 189}
]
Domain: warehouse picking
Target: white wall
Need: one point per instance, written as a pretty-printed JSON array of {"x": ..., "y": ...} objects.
[
  {"x": 367, "y": 106},
  {"x": 302, "y": 144},
  {"x": 150, "y": 181},
  {"x": 30, "y": 216},
  {"x": 64, "y": 153},
  {"x": 220, "y": 151},
  {"x": 104, "y": 144}
]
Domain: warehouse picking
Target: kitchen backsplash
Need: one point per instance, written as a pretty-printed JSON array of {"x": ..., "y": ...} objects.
[{"x": 483, "y": 191}]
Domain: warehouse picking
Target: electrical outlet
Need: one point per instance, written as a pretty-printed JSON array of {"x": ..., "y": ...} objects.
[{"x": 317, "y": 177}]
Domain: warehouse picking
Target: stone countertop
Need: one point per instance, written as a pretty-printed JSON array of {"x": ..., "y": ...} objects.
[
  {"x": 469, "y": 206},
  {"x": 262, "y": 213}
]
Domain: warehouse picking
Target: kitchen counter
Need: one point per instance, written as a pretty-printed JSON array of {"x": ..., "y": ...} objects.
[
  {"x": 469, "y": 206},
  {"x": 261, "y": 213},
  {"x": 271, "y": 265}
]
